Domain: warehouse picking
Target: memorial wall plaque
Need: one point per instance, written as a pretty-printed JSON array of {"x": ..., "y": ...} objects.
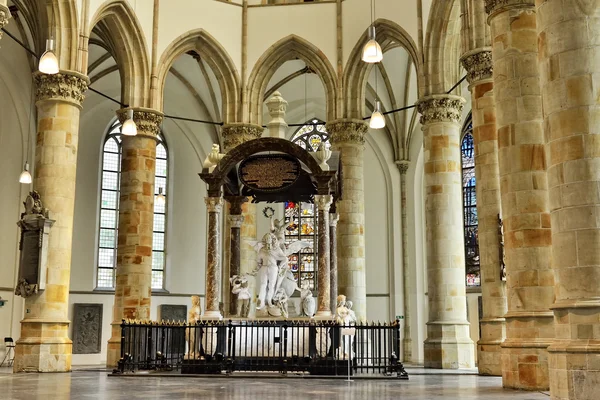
[
  {"x": 172, "y": 312},
  {"x": 269, "y": 173},
  {"x": 87, "y": 328}
]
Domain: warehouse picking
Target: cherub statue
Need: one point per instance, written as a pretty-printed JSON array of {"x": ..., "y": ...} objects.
[
  {"x": 307, "y": 302},
  {"x": 278, "y": 227},
  {"x": 213, "y": 158},
  {"x": 241, "y": 288}
]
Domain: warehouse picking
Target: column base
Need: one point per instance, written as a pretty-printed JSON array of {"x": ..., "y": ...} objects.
[
  {"x": 211, "y": 315},
  {"x": 407, "y": 348},
  {"x": 525, "y": 364},
  {"x": 489, "y": 352},
  {"x": 448, "y": 346},
  {"x": 44, "y": 346},
  {"x": 323, "y": 314},
  {"x": 574, "y": 370}
]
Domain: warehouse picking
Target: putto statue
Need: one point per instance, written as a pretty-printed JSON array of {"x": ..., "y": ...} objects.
[
  {"x": 307, "y": 302},
  {"x": 241, "y": 287}
]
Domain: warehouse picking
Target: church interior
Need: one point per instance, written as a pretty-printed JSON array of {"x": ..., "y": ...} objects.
[{"x": 398, "y": 189}]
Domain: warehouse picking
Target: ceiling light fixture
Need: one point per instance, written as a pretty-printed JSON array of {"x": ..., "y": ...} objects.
[
  {"x": 48, "y": 61},
  {"x": 372, "y": 50},
  {"x": 25, "y": 176},
  {"x": 377, "y": 119},
  {"x": 129, "y": 128}
]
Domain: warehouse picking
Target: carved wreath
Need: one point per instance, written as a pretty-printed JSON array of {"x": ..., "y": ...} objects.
[{"x": 268, "y": 212}]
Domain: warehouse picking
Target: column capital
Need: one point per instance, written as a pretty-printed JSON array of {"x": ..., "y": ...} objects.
[
  {"x": 237, "y": 133},
  {"x": 4, "y": 17},
  {"x": 214, "y": 204},
  {"x": 478, "y": 64},
  {"x": 440, "y": 108},
  {"x": 402, "y": 166},
  {"x": 347, "y": 130},
  {"x": 68, "y": 86},
  {"x": 236, "y": 221},
  {"x": 146, "y": 120},
  {"x": 495, "y": 6},
  {"x": 333, "y": 219},
  {"x": 323, "y": 201}
]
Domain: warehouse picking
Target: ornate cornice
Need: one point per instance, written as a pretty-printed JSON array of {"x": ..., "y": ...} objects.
[
  {"x": 214, "y": 204},
  {"x": 440, "y": 108},
  {"x": 146, "y": 120},
  {"x": 4, "y": 17},
  {"x": 66, "y": 86},
  {"x": 239, "y": 133},
  {"x": 478, "y": 64},
  {"x": 350, "y": 131},
  {"x": 496, "y": 6},
  {"x": 323, "y": 201}
]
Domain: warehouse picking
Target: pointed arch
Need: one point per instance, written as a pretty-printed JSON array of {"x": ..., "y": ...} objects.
[
  {"x": 357, "y": 71},
  {"x": 119, "y": 25},
  {"x": 215, "y": 55},
  {"x": 286, "y": 49}
]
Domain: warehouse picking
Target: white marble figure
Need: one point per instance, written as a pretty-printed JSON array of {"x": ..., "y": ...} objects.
[
  {"x": 278, "y": 227},
  {"x": 241, "y": 287},
  {"x": 351, "y": 313},
  {"x": 213, "y": 158},
  {"x": 281, "y": 298},
  {"x": 307, "y": 302},
  {"x": 193, "y": 334},
  {"x": 345, "y": 317},
  {"x": 273, "y": 270}
]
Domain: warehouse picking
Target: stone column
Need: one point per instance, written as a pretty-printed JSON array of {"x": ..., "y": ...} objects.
[
  {"x": 478, "y": 64},
  {"x": 133, "y": 289},
  {"x": 333, "y": 264},
  {"x": 348, "y": 137},
  {"x": 406, "y": 339},
  {"x": 570, "y": 68},
  {"x": 448, "y": 344},
  {"x": 213, "y": 258},
  {"x": 323, "y": 203},
  {"x": 235, "y": 222},
  {"x": 524, "y": 191},
  {"x": 44, "y": 345},
  {"x": 4, "y": 15}
]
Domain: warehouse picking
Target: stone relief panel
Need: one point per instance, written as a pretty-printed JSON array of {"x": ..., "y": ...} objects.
[{"x": 87, "y": 328}]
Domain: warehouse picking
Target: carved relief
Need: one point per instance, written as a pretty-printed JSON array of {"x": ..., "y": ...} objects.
[
  {"x": 351, "y": 131},
  {"x": 147, "y": 121},
  {"x": 67, "y": 86},
  {"x": 478, "y": 65},
  {"x": 87, "y": 328},
  {"x": 442, "y": 108},
  {"x": 494, "y": 6},
  {"x": 236, "y": 134}
]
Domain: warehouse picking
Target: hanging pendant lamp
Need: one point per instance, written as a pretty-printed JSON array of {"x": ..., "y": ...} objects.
[
  {"x": 372, "y": 50},
  {"x": 129, "y": 128},
  {"x": 377, "y": 119},
  {"x": 25, "y": 176},
  {"x": 48, "y": 61}
]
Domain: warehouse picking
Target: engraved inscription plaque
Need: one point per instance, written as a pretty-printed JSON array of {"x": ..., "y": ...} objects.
[
  {"x": 87, "y": 328},
  {"x": 172, "y": 312},
  {"x": 30, "y": 256},
  {"x": 269, "y": 172}
]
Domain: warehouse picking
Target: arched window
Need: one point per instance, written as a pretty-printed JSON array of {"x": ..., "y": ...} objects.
[
  {"x": 304, "y": 215},
  {"x": 473, "y": 275},
  {"x": 109, "y": 211}
]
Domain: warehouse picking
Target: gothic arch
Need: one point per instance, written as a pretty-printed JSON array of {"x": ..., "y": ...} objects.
[
  {"x": 286, "y": 49},
  {"x": 442, "y": 47},
  {"x": 119, "y": 25},
  {"x": 357, "y": 71},
  {"x": 215, "y": 55}
]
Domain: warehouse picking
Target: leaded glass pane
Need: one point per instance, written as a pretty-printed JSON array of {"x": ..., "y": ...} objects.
[
  {"x": 110, "y": 180},
  {"x": 109, "y": 199},
  {"x": 159, "y": 223},
  {"x": 105, "y": 277},
  {"x": 106, "y": 258},
  {"x": 158, "y": 260},
  {"x": 108, "y": 219},
  {"x": 161, "y": 168},
  {"x": 472, "y": 261},
  {"x": 157, "y": 279},
  {"x": 107, "y": 238}
]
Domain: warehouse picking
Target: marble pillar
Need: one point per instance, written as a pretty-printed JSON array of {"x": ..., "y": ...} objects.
[
  {"x": 478, "y": 64},
  {"x": 44, "y": 345},
  {"x": 323, "y": 203},
  {"x": 406, "y": 335},
  {"x": 4, "y": 15},
  {"x": 213, "y": 258},
  {"x": 570, "y": 72},
  {"x": 133, "y": 288},
  {"x": 348, "y": 137},
  {"x": 333, "y": 266},
  {"x": 235, "y": 222},
  {"x": 524, "y": 194},
  {"x": 448, "y": 343}
]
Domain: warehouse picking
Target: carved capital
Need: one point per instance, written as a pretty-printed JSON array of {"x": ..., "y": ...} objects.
[
  {"x": 66, "y": 86},
  {"x": 239, "y": 133},
  {"x": 440, "y": 108},
  {"x": 333, "y": 220},
  {"x": 323, "y": 201},
  {"x": 495, "y": 6},
  {"x": 146, "y": 120},
  {"x": 402, "y": 166},
  {"x": 351, "y": 131},
  {"x": 4, "y": 17},
  {"x": 236, "y": 221},
  {"x": 478, "y": 64},
  {"x": 214, "y": 204}
]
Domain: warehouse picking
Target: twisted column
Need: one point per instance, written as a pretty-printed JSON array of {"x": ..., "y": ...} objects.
[
  {"x": 44, "y": 345},
  {"x": 214, "y": 206},
  {"x": 133, "y": 288},
  {"x": 478, "y": 64},
  {"x": 524, "y": 191},
  {"x": 333, "y": 263},
  {"x": 348, "y": 137},
  {"x": 323, "y": 203},
  {"x": 448, "y": 344},
  {"x": 568, "y": 45}
]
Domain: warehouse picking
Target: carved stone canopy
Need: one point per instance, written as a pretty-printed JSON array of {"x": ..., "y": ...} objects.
[
  {"x": 146, "y": 120},
  {"x": 66, "y": 86},
  {"x": 440, "y": 108},
  {"x": 239, "y": 133},
  {"x": 478, "y": 64}
]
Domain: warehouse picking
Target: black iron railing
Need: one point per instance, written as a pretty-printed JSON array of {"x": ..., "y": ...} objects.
[{"x": 213, "y": 347}]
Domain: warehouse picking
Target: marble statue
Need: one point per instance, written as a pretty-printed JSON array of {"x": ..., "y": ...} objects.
[
  {"x": 307, "y": 302},
  {"x": 192, "y": 335},
  {"x": 213, "y": 158},
  {"x": 241, "y": 287},
  {"x": 351, "y": 313},
  {"x": 278, "y": 227},
  {"x": 273, "y": 270},
  {"x": 281, "y": 298},
  {"x": 345, "y": 317}
]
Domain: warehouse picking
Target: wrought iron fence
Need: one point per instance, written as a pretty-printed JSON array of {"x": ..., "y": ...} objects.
[{"x": 214, "y": 347}]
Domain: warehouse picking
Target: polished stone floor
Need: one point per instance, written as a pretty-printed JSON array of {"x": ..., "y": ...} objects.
[{"x": 95, "y": 384}]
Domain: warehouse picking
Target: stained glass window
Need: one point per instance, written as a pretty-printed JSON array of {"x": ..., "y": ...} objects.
[
  {"x": 473, "y": 275},
  {"x": 303, "y": 215},
  {"x": 109, "y": 211}
]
